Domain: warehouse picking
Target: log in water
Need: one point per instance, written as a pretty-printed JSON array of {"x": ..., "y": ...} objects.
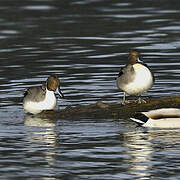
[{"x": 111, "y": 110}]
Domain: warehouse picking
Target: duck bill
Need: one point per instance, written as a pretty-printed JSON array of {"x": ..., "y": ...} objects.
[{"x": 60, "y": 93}]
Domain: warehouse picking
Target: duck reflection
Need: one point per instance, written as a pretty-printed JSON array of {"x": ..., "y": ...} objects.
[
  {"x": 32, "y": 120},
  {"x": 140, "y": 151},
  {"x": 143, "y": 147},
  {"x": 41, "y": 136}
]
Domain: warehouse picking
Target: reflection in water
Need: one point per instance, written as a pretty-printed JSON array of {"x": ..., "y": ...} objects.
[
  {"x": 42, "y": 135},
  {"x": 31, "y": 120},
  {"x": 144, "y": 146},
  {"x": 140, "y": 149}
]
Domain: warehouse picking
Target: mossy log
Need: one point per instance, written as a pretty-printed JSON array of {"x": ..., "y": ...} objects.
[{"x": 111, "y": 110}]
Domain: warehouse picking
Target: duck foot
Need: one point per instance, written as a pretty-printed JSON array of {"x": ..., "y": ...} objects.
[
  {"x": 125, "y": 102},
  {"x": 141, "y": 101}
]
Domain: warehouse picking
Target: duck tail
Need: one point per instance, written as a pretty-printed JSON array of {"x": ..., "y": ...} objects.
[{"x": 140, "y": 118}]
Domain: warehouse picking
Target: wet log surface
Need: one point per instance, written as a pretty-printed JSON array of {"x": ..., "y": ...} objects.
[{"x": 111, "y": 110}]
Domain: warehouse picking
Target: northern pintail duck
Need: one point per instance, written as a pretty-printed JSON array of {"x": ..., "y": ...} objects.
[
  {"x": 39, "y": 98},
  {"x": 135, "y": 78},
  {"x": 160, "y": 118}
]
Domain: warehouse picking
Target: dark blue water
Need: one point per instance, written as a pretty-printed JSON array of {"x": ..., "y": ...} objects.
[{"x": 85, "y": 43}]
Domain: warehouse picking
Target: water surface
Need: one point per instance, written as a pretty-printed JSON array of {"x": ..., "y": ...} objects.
[{"x": 85, "y": 42}]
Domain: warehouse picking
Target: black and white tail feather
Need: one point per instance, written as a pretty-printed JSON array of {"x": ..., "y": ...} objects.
[{"x": 140, "y": 118}]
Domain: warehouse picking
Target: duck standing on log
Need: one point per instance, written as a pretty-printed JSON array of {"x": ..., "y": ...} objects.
[{"x": 135, "y": 78}]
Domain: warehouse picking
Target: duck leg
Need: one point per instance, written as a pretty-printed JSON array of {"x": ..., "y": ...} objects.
[{"x": 124, "y": 99}]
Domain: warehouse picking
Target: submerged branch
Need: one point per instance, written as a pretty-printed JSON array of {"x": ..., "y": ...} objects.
[{"x": 111, "y": 110}]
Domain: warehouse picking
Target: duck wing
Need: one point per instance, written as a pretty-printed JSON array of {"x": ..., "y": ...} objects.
[
  {"x": 163, "y": 113},
  {"x": 35, "y": 94},
  {"x": 126, "y": 75}
]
